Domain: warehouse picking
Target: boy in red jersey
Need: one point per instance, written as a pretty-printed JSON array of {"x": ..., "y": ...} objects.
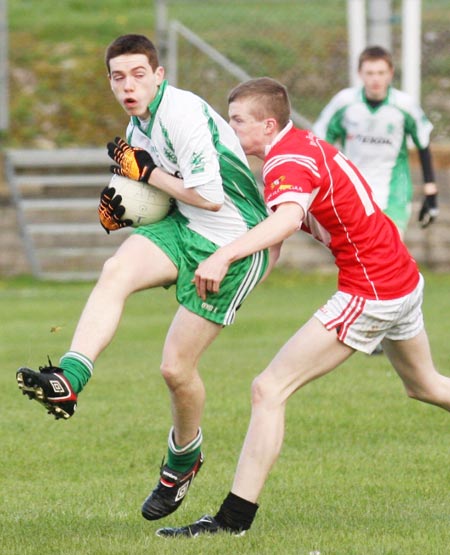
[{"x": 310, "y": 185}]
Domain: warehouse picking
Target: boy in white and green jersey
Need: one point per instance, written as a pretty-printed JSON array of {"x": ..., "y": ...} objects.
[
  {"x": 212, "y": 150},
  {"x": 175, "y": 141},
  {"x": 372, "y": 123},
  {"x": 201, "y": 150}
]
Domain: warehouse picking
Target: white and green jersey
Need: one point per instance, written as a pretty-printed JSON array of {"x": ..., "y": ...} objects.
[
  {"x": 187, "y": 138},
  {"x": 375, "y": 140}
]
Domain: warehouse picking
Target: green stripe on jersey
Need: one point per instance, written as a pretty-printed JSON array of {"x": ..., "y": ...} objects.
[{"x": 238, "y": 181}]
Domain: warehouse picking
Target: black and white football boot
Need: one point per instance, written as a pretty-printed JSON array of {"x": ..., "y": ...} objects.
[
  {"x": 50, "y": 388},
  {"x": 170, "y": 491},
  {"x": 205, "y": 525}
]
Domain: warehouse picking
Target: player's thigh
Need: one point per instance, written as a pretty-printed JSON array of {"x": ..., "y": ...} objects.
[
  {"x": 412, "y": 360},
  {"x": 188, "y": 337},
  {"x": 312, "y": 352},
  {"x": 142, "y": 264}
]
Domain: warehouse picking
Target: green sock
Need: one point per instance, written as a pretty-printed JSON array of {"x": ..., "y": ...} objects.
[
  {"x": 181, "y": 463},
  {"x": 182, "y": 458},
  {"x": 77, "y": 369}
]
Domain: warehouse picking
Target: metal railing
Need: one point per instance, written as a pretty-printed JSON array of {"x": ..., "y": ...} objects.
[{"x": 56, "y": 194}]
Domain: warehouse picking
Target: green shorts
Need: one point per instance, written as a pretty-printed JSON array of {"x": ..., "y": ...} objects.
[{"x": 187, "y": 249}]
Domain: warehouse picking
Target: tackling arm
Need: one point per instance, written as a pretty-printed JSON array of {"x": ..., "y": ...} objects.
[{"x": 271, "y": 232}]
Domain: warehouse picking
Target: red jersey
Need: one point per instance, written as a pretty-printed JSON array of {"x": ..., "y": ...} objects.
[{"x": 340, "y": 212}]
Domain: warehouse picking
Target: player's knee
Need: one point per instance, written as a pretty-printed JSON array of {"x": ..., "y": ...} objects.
[
  {"x": 115, "y": 275},
  {"x": 424, "y": 395},
  {"x": 173, "y": 374},
  {"x": 264, "y": 392},
  {"x": 412, "y": 393},
  {"x": 111, "y": 270},
  {"x": 168, "y": 373}
]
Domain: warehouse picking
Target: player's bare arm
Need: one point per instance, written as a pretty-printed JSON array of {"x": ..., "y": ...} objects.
[
  {"x": 136, "y": 163},
  {"x": 175, "y": 187},
  {"x": 274, "y": 255},
  {"x": 270, "y": 232}
]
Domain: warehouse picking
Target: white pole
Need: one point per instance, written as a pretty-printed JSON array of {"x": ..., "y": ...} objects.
[
  {"x": 356, "y": 17},
  {"x": 161, "y": 30},
  {"x": 172, "y": 55},
  {"x": 4, "y": 81},
  {"x": 380, "y": 14},
  {"x": 411, "y": 50}
]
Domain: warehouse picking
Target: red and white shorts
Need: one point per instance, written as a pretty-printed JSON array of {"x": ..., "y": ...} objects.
[{"x": 361, "y": 323}]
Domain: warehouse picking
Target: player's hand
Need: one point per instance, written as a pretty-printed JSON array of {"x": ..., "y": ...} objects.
[
  {"x": 110, "y": 211},
  {"x": 210, "y": 273},
  {"x": 134, "y": 163},
  {"x": 429, "y": 210}
]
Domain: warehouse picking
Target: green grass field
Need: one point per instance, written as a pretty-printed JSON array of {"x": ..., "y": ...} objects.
[{"x": 363, "y": 471}]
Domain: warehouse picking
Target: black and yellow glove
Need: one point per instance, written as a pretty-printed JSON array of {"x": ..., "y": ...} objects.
[
  {"x": 134, "y": 163},
  {"x": 110, "y": 211},
  {"x": 429, "y": 210}
]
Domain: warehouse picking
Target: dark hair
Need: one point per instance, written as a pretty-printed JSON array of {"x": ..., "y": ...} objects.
[
  {"x": 271, "y": 97},
  {"x": 132, "y": 44},
  {"x": 372, "y": 53}
]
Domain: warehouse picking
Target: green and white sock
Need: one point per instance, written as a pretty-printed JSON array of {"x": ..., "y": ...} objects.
[
  {"x": 181, "y": 458},
  {"x": 77, "y": 368}
]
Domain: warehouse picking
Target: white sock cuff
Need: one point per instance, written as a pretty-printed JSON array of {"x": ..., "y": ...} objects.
[{"x": 194, "y": 444}]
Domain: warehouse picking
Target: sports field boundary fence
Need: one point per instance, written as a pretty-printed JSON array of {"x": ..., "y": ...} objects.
[
  {"x": 176, "y": 28},
  {"x": 55, "y": 194},
  {"x": 50, "y": 226}
]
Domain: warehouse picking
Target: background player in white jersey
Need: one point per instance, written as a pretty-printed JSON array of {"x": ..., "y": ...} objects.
[
  {"x": 372, "y": 123},
  {"x": 180, "y": 145},
  {"x": 309, "y": 185}
]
